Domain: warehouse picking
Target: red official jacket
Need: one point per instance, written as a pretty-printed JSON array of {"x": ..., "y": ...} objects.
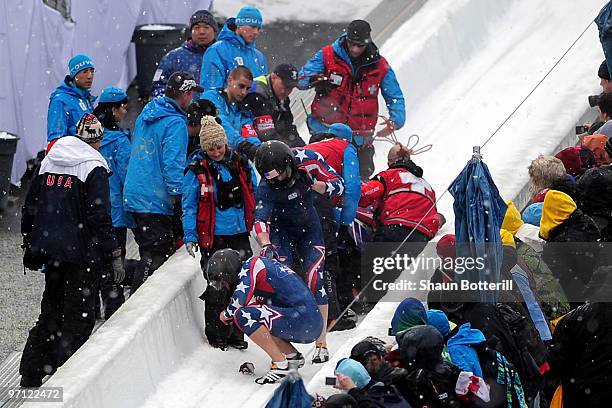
[
  {"x": 206, "y": 204},
  {"x": 355, "y": 100},
  {"x": 332, "y": 151},
  {"x": 400, "y": 197}
]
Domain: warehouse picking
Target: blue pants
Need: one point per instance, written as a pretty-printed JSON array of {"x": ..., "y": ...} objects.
[
  {"x": 307, "y": 242},
  {"x": 299, "y": 324}
]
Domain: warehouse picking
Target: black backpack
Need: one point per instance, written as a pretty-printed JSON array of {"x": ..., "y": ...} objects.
[
  {"x": 383, "y": 396},
  {"x": 501, "y": 376},
  {"x": 532, "y": 351},
  {"x": 432, "y": 389}
]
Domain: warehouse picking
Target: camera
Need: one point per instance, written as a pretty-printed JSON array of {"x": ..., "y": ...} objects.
[
  {"x": 593, "y": 100},
  {"x": 331, "y": 381},
  {"x": 581, "y": 129}
]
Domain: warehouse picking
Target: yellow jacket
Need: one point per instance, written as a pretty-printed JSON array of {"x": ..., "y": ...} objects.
[
  {"x": 512, "y": 220},
  {"x": 557, "y": 208}
]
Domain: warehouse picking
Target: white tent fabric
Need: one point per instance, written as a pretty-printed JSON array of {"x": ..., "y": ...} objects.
[{"x": 36, "y": 43}]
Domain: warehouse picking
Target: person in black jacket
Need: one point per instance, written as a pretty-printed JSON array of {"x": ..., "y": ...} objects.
[
  {"x": 572, "y": 244},
  {"x": 67, "y": 230},
  {"x": 595, "y": 192},
  {"x": 268, "y": 101},
  {"x": 580, "y": 356},
  {"x": 430, "y": 382},
  {"x": 352, "y": 377},
  {"x": 370, "y": 353}
]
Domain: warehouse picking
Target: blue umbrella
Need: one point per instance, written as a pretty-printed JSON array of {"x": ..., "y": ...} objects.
[
  {"x": 291, "y": 394},
  {"x": 479, "y": 212}
]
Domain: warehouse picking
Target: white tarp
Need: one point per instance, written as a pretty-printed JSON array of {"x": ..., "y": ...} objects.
[{"x": 36, "y": 43}]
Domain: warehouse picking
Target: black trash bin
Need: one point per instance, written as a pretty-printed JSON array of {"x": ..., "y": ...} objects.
[
  {"x": 8, "y": 146},
  {"x": 152, "y": 42}
]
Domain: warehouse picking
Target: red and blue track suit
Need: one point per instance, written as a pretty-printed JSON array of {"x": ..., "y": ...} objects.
[
  {"x": 291, "y": 219},
  {"x": 270, "y": 294}
]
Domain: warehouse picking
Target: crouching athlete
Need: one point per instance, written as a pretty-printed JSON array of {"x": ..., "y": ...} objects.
[{"x": 271, "y": 304}]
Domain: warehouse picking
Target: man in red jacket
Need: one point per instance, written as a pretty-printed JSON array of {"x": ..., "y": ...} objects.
[
  {"x": 347, "y": 76},
  {"x": 402, "y": 200}
]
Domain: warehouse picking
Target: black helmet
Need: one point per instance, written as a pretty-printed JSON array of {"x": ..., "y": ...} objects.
[
  {"x": 272, "y": 159},
  {"x": 223, "y": 267}
]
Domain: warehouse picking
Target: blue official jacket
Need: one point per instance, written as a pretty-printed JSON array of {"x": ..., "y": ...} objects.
[
  {"x": 227, "y": 222},
  {"x": 237, "y": 123},
  {"x": 157, "y": 162},
  {"x": 228, "y": 52},
  {"x": 67, "y": 105},
  {"x": 390, "y": 88},
  {"x": 187, "y": 57},
  {"x": 116, "y": 149}
]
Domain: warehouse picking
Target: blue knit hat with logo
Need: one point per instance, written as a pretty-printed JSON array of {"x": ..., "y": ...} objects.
[
  {"x": 112, "y": 95},
  {"x": 79, "y": 63},
  {"x": 249, "y": 16},
  {"x": 342, "y": 131},
  {"x": 354, "y": 370}
]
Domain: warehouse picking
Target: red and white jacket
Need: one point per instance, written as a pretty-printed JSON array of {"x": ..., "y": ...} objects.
[{"x": 400, "y": 197}]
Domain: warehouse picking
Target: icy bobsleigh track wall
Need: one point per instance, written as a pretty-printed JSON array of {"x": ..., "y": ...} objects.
[{"x": 149, "y": 337}]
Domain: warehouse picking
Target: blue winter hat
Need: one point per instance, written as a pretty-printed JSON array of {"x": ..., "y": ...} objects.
[
  {"x": 112, "y": 95},
  {"x": 533, "y": 214},
  {"x": 342, "y": 131},
  {"x": 354, "y": 370},
  {"x": 249, "y": 16},
  {"x": 438, "y": 319},
  {"x": 78, "y": 63}
]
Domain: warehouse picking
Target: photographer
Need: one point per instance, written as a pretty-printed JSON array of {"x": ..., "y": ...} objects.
[
  {"x": 352, "y": 377},
  {"x": 604, "y": 104}
]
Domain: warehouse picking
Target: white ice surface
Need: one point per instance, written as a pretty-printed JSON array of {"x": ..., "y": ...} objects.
[
  {"x": 338, "y": 11},
  {"x": 464, "y": 67}
]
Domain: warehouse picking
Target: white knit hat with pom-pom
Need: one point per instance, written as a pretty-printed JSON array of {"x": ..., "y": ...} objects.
[{"x": 212, "y": 134}]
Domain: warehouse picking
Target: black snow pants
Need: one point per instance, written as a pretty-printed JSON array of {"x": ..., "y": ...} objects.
[
  {"x": 331, "y": 273},
  {"x": 155, "y": 238},
  {"x": 67, "y": 317}
]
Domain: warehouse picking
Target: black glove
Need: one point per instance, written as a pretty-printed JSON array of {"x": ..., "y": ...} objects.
[
  {"x": 269, "y": 251},
  {"x": 321, "y": 84},
  {"x": 308, "y": 180},
  {"x": 248, "y": 149},
  {"x": 117, "y": 265},
  {"x": 30, "y": 261},
  {"x": 344, "y": 237}
]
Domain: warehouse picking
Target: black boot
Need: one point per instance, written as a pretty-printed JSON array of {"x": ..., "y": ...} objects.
[
  {"x": 236, "y": 339},
  {"x": 30, "y": 382}
]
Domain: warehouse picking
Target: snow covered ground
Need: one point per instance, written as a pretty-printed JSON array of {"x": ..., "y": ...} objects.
[
  {"x": 464, "y": 68},
  {"x": 338, "y": 11}
]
